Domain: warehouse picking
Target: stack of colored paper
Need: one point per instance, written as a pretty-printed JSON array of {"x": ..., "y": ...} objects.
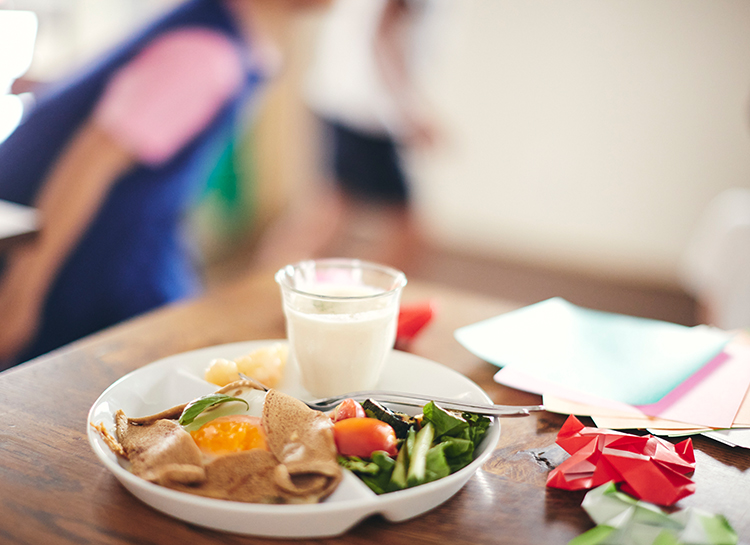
[{"x": 624, "y": 372}]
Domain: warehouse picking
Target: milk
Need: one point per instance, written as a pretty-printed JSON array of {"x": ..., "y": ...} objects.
[{"x": 340, "y": 341}]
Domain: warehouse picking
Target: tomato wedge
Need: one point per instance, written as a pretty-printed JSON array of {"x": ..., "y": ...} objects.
[
  {"x": 362, "y": 436},
  {"x": 347, "y": 409}
]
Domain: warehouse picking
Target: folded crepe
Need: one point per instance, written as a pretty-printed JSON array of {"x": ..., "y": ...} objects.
[{"x": 299, "y": 466}]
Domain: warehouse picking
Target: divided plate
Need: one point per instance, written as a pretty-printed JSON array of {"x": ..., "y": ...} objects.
[{"x": 178, "y": 379}]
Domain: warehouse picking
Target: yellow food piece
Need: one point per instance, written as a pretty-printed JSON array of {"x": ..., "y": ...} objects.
[
  {"x": 221, "y": 372},
  {"x": 228, "y": 434},
  {"x": 266, "y": 365}
]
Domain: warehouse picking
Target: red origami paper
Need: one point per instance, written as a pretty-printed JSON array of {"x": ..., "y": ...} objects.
[
  {"x": 648, "y": 468},
  {"x": 412, "y": 318}
]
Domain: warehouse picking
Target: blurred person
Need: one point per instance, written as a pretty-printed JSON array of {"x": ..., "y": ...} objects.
[
  {"x": 112, "y": 158},
  {"x": 362, "y": 88}
]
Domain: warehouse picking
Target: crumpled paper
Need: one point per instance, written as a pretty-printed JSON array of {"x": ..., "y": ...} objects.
[
  {"x": 623, "y": 520},
  {"x": 646, "y": 467}
]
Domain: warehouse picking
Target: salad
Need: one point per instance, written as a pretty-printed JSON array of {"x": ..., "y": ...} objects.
[{"x": 391, "y": 451}]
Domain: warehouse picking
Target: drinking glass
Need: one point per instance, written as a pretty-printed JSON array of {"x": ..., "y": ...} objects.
[{"x": 341, "y": 319}]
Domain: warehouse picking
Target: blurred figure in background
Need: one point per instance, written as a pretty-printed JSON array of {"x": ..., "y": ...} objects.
[
  {"x": 362, "y": 89},
  {"x": 112, "y": 159}
]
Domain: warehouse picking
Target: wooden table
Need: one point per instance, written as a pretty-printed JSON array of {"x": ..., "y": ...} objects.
[{"x": 53, "y": 489}]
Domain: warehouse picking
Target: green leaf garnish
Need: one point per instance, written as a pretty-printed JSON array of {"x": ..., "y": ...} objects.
[{"x": 197, "y": 406}]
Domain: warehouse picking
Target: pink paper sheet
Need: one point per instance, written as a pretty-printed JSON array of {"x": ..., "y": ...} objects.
[
  {"x": 710, "y": 398},
  {"x": 743, "y": 414},
  {"x": 655, "y": 409}
]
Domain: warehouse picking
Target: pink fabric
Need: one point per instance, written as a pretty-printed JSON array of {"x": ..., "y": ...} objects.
[{"x": 166, "y": 95}]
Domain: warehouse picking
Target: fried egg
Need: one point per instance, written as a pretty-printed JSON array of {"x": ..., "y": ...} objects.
[{"x": 228, "y": 434}]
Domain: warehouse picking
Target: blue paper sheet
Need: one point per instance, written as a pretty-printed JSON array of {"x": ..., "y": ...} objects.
[{"x": 625, "y": 358}]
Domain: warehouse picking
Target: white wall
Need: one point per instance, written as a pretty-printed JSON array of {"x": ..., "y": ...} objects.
[{"x": 586, "y": 134}]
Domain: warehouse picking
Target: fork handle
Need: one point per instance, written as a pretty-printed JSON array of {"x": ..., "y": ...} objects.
[{"x": 451, "y": 404}]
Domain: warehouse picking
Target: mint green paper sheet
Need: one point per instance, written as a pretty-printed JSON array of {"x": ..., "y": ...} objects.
[
  {"x": 623, "y": 520},
  {"x": 624, "y": 358}
]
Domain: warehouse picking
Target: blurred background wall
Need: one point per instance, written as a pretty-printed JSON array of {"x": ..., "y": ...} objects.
[
  {"x": 588, "y": 134},
  {"x": 581, "y": 135}
]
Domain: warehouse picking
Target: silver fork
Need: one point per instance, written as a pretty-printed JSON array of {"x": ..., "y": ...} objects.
[
  {"x": 413, "y": 400},
  {"x": 418, "y": 400}
]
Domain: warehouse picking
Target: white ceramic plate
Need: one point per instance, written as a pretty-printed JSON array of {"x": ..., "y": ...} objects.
[{"x": 178, "y": 379}]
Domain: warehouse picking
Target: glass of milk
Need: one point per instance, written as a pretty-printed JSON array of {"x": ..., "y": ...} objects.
[{"x": 341, "y": 318}]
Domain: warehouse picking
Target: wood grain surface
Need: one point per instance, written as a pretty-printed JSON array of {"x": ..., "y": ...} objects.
[{"x": 53, "y": 489}]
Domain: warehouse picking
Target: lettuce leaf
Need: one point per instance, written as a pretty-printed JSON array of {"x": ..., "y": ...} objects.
[
  {"x": 445, "y": 423},
  {"x": 375, "y": 473}
]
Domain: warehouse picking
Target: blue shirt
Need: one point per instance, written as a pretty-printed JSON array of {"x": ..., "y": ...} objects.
[{"x": 133, "y": 257}]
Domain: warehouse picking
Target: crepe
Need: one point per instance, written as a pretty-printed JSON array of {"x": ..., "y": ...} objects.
[{"x": 299, "y": 466}]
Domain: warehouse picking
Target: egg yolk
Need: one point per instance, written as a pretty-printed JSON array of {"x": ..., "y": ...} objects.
[{"x": 228, "y": 434}]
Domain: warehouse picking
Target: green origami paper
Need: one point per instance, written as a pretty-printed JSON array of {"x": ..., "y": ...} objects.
[{"x": 623, "y": 520}]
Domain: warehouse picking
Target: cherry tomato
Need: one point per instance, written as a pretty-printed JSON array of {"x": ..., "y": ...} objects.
[
  {"x": 347, "y": 409},
  {"x": 362, "y": 436}
]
